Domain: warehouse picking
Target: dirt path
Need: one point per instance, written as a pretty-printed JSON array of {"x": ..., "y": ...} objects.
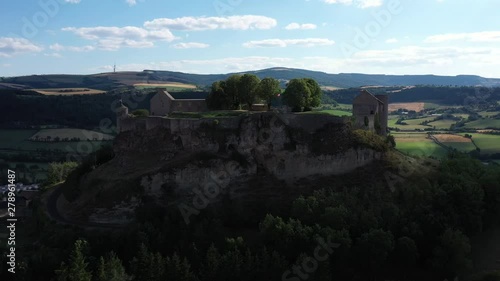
[{"x": 53, "y": 213}]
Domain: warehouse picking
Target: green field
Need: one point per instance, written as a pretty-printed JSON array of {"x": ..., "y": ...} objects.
[
  {"x": 16, "y": 143},
  {"x": 418, "y": 145},
  {"x": 413, "y": 124},
  {"x": 484, "y": 124},
  {"x": 430, "y": 105},
  {"x": 329, "y": 112},
  {"x": 489, "y": 144},
  {"x": 171, "y": 87},
  {"x": 19, "y": 140},
  {"x": 208, "y": 114},
  {"x": 488, "y": 114},
  {"x": 463, "y": 116},
  {"x": 461, "y": 146},
  {"x": 443, "y": 124},
  {"x": 425, "y": 149},
  {"x": 69, "y": 134}
]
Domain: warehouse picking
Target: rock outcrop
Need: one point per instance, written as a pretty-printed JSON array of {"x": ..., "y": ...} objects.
[{"x": 173, "y": 162}]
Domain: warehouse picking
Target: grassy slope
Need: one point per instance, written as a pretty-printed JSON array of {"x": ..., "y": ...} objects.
[
  {"x": 484, "y": 124},
  {"x": 330, "y": 112},
  {"x": 488, "y": 144},
  {"x": 442, "y": 124},
  {"x": 418, "y": 144},
  {"x": 19, "y": 140}
]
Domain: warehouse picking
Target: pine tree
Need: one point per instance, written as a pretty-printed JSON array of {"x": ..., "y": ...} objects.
[
  {"x": 178, "y": 270},
  {"x": 77, "y": 268},
  {"x": 211, "y": 265},
  {"x": 111, "y": 269}
]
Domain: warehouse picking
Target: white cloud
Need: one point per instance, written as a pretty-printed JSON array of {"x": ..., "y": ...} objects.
[
  {"x": 359, "y": 3},
  {"x": 303, "y": 26},
  {"x": 391, "y": 41},
  {"x": 72, "y": 1},
  {"x": 58, "y": 48},
  {"x": 54, "y": 55},
  {"x": 211, "y": 23},
  {"x": 191, "y": 45},
  {"x": 307, "y": 42},
  {"x": 483, "y": 37},
  {"x": 131, "y": 2},
  {"x": 12, "y": 46},
  {"x": 114, "y": 38}
]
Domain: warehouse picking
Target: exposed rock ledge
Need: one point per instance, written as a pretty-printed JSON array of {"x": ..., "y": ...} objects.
[{"x": 170, "y": 163}]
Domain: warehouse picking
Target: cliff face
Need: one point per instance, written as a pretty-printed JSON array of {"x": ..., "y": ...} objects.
[{"x": 175, "y": 161}]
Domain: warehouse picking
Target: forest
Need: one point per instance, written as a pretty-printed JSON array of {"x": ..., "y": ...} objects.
[{"x": 414, "y": 228}]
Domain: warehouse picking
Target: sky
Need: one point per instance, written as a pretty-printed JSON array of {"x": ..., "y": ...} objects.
[{"x": 441, "y": 37}]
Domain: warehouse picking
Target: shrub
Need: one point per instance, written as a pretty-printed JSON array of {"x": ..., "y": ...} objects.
[
  {"x": 370, "y": 140},
  {"x": 140, "y": 113}
]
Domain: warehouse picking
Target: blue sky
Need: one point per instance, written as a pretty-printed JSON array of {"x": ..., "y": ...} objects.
[{"x": 440, "y": 37}]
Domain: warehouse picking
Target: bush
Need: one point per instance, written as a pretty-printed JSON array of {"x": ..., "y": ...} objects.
[
  {"x": 371, "y": 140},
  {"x": 140, "y": 113},
  {"x": 58, "y": 172}
]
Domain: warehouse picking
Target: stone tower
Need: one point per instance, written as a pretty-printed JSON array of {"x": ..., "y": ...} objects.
[
  {"x": 371, "y": 112},
  {"x": 383, "y": 113},
  {"x": 121, "y": 113}
]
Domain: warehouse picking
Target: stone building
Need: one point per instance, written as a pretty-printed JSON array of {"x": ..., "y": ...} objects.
[
  {"x": 163, "y": 103},
  {"x": 371, "y": 112}
]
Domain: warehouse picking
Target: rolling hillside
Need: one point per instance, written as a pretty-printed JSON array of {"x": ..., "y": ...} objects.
[{"x": 107, "y": 81}]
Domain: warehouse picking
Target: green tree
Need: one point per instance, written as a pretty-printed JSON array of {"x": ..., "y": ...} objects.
[
  {"x": 297, "y": 94},
  {"x": 148, "y": 266},
  {"x": 211, "y": 265},
  {"x": 316, "y": 93},
  {"x": 58, "y": 172},
  {"x": 218, "y": 98},
  {"x": 405, "y": 254},
  {"x": 268, "y": 90},
  {"x": 111, "y": 269},
  {"x": 391, "y": 140},
  {"x": 179, "y": 270},
  {"x": 451, "y": 254},
  {"x": 77, "y": 269},
  {"x": 231, "y": 89},
  {"x": 247, "y": 89},
  {"x": 374, "y": 248}
]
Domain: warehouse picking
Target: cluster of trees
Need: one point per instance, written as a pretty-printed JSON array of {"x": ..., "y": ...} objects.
[
  {"x": 58, "y": 172},
  {"x": 238, "y": 90}
]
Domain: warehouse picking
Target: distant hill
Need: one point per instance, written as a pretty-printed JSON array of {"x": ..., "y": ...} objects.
[{"x": 107, "y": 81}]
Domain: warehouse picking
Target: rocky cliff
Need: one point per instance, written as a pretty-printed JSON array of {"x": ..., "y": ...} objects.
[{"x": 261, "y": 154}]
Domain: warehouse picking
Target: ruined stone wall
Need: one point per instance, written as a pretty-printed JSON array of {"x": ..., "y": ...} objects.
[
  {"x": 307, "y": 122},
  {"x": 188, "y": 106}
]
